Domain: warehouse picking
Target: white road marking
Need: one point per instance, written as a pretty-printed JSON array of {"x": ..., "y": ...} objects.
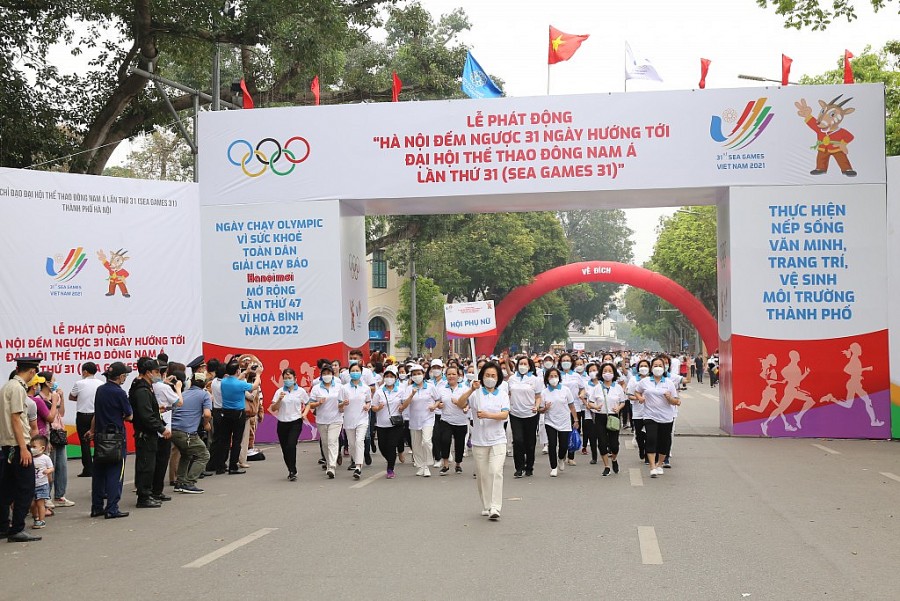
[
  {"x": 822, "y": 447},
  {"x": 635, "y": 474},
  {"x": 650, "y": 554},
  {"x": 368, "y": 480},
  {"x": 894, "y": 477},
  {"x": 211, "y": 557}
]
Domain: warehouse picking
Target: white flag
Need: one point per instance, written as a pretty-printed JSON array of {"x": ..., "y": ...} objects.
[{"x": 639, "y": 68}]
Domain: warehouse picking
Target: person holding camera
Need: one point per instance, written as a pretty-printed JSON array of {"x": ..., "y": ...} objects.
[
  {"x": 190, "y": 418},
  {"x": 234, "y": 386},
  {"x": 168, "y": 391}
]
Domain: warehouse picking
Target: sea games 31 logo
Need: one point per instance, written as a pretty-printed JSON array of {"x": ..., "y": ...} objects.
[
  {"x": 63, "y": 268},
  {"x": 746, "y": 129},
  {"x": 268, "y": 154}
]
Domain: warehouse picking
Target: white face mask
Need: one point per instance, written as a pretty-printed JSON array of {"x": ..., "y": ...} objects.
[
  {"x": 390, "y": 382},
  {"x": 566, "y": 365},
  {"x": 470, "y": 376},
  {"x": 658, "y": 371},
  {"x": 553, "y": 381},
  {"x": 327, "y": 378},
  {"x": 418, "y": 378},
  {"x": 490, "y": 383},
  {"x": 643, "y": 370},
  {"x": 523, "y": 369},
  {"x": 608, "y": 376},
  {"x": 579, "y": 369},
  {"x": 548, "y": 364},
  {"x": 435, "y": 374},
  {"x": 403, "y": 377},
  {"x": 592, "y": 374}
]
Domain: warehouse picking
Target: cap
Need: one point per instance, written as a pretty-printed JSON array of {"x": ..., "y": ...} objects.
[
  {"x": 197, "y": 363},
  {"x": 415, "y": 367},
  {"x": 149, "y": 365},
  {"x": 548, "y": 356},
  {"x": 391, "y": 369},
  {"x": 117, "y": 369},
  {"x": 437, "y": 363},
  {"x": 28, "y": 362},
  {"x": 36, "y": 380}
]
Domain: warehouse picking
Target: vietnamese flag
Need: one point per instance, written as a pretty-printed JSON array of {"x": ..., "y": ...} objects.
[
  {"x": 396, "y": 86},
  {"x": 314, "y": 87},
  {"x": 247, "y": 99},
  {"x": 785, "y": 69},
  {"x": 848, "y": 69},
  {"x": 704, "y": 69},
  {"x": 563, "y": 45}
]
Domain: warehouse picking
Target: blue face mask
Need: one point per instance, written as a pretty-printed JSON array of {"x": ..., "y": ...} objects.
[
  {"x": 157, "y": 379},
  {"x": 288, "y": 384},
  {"x": 53, "y": 387},
  {"x": 355, "y": 375},
  {"x": 354, "y": 361}
]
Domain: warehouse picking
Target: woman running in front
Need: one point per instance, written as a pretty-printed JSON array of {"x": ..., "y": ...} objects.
[
  {"x": 356, "y": 399},
  {"x": 607, "y": 399},
  {"x": 524, "y": 401},
  {"x": 572, "y": 380},
  {"x": 329, "y": 415},
  {"x": 637, "y": 408},
  {"x": 423, "y": 399},
  {"x": 388, "y": 407},
  {"x": 489, "y": 404},
  {"x": 558, "y": 408},
  {"x": 455, "y": 421},
  {"x": 659, "y": 396},
  {"x": 289, "y": 407}
]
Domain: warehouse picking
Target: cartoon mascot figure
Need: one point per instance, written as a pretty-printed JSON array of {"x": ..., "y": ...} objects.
[
  {"x": 117, "y": 275},
  {"x": 832, "y": 138}
]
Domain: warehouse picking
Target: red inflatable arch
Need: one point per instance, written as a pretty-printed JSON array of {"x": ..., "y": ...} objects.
[{"x": 603, "y": 271}]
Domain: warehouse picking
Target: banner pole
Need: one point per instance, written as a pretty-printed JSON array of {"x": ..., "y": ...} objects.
[
  {"x": 472, "y": 347},
  {"x": 548, "y": 78}
]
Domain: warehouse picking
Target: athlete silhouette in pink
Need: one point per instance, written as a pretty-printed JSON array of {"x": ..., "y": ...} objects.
[
  {"x": 854, "y": 369},
  {"x": 792, "y": 377},
  {"x": 770, "y": 376}
]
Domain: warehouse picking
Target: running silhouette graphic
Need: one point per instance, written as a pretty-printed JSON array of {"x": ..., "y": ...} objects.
[
  {"x": 792, "y": 376},
  {"x": 854, "y": 369},
  {"x": 770, "y": 376}
]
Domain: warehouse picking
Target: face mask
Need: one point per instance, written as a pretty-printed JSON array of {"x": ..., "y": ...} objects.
[
  {"x": 355, "y": 375},
  {"x": 608, "y": 376},
  {"x": 403, "y": 377},
  {"x": 53, "y": 387},
  {"x": 37, "y": 452},
  {"x": 643, "y": 371},
  {"x": 354, "y": 361},
  {"x": 548, "y": 364},
  {"x": 288, "y": 384},
  {"x": 327, "y": 378},
  {"x": 435, "y": 374},
  {"x": 389, "y": 382},
  {"x": 490, "y": 382},
  {"x": 579, "y": 369},
  {"x": 157, "y": 379},
  {"x": 418, "y": 378},
  {"x": 658, "y": 371},
  {"x": 523, "y": 369},
  {"x": 567, "y": 365},
  {"x": 553, "y": 381},
  {"x": 593, "y": 374},
  {"x": 470, "y": 376}
]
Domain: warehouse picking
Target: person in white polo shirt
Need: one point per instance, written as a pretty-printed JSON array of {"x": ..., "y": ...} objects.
[
  {"x": 423, "y": 399},
  {"x": 83, "y": 394},
  {"x": 488, "y": 403},
  {"x": 355, "y": 401},
  {"x": 325, "y": 399}
]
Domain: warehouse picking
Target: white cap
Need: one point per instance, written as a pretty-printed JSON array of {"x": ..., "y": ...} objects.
[
  {"x": 437, "y": 363},
  {"x": 415, "y": 367},
  {"x": 391, "y": 369}
]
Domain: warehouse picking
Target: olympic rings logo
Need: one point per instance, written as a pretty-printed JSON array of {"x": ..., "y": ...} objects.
[{"x": 268, "y": 161}]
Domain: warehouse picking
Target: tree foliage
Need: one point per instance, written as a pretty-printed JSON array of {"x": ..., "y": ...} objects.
[
  {"x": 429, "y": 306},
  {"x": 814, "y": 13},
  {"x": 161, "y": 155}
]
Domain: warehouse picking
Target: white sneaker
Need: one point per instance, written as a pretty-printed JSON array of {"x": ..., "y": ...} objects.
[
  {"x": 437, "y": 463},
  {"x": 554, "y": 472},
  {"x": 562, "y": 466},
  {"x": 421, "y": 471},
  {"x": 64, "y": 502},
  {"x": 544, "y": 450},
  {"x": 660, "y": 471},
  {"x": 426, "y": 473},
  {"x": 485, "y": 512},
  {"x": 508, "y": 454},
  {"x": 495, "y": 514}
]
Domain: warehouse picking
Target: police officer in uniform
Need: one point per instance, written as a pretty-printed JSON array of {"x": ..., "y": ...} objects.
[
  {"x": 16, "y": 470},
  {"x": 148, "y": 427}
]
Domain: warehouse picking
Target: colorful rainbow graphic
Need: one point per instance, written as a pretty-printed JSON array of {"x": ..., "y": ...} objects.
[
  {"x": 751, "y": 124},
  {"x": 72, "y": 266}
]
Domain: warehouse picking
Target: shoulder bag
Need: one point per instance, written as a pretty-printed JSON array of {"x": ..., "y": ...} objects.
[
  {"x": 396, "y": 420},
  {"x": 109, "y": 446},
  {"x": 613, "y": 423}
]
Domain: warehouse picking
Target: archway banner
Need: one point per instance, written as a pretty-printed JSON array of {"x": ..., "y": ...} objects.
[{"x": 548, "y": 144}]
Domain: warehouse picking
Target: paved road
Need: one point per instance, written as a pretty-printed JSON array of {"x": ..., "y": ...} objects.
[{"x": 734, "y": 519}]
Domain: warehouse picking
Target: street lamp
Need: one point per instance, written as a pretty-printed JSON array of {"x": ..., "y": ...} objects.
[{"x": 758, "y": 78}]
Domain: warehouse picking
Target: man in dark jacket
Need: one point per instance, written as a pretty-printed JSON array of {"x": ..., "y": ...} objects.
[{"x": 148, "y": 427}]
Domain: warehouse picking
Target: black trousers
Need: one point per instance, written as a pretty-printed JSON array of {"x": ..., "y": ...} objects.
[
  {"x": 163, "y": 452},
  {"x": 106, "y": 484},
  {"x": 288, "y": 434},
  {"x": 215, "y": 446},
  {"x": 405, "y": 440},
  {"x": 456, "y": 434},
  {"x": 145, "y": 446},
  {"x": 608, "y": 439},
  {"x": 558, "y": 443},
  {"x": 524, "y": 435},
  {"x": 700, "y": 375},
  {"x": 229, "y": 435},
  {"x": 16, "y": 489},
  {"x": 659, "y": 437},
  {"x": 589, "y": 433},
  {"x": 82, "y": 427},
  {"x": 388, "y": 441},
  {"x": 436, "y": 434},
  {"x": 640, "y": 435}
]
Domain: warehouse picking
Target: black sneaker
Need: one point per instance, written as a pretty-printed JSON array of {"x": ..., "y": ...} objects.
[
  {"x": 357, "y": 472},
  {"x": 22, "y": 537},
  {"x": 322, "y": 461},
  {"x": 445, "y": 470},
  {"x": 593, "y": 462},
  {"x": 458, "y": 469},
  {"x": 352, "y": 467},
  {"x": 606, "y": 471},
  {"x": 368, "y": 459},
  {"x": 292, "y": 477},
  {"x": 178, "y": 487},
  {"x": 529, "y": 473},
  {"x": 615, "y": 466},
  {"x": 191, "y": 490},
  {"x": 162, "y": 497},
  {"x": 519, "y": 474}
]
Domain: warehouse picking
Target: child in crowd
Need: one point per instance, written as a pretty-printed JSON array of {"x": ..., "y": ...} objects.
[{"x": 43, "y": 467}]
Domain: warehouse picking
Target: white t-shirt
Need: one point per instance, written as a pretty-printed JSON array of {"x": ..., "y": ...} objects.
[
  {"x": 388, "y": 401},
  {"x": 572, "y": 380},
  {"x": 607, "y": 399},
  {"x": 420, "y": 416},
  {"x": 41, "y": 462},
  {"x": 589, "y": 386},
  {"x": 165, "y": 395},
  {"x": 656, "y": 407},
  {"x": 215, "y": 391},
  {"x": 328, "y": 412},
  {"x": 452, "y": 414},
  {"x": 558, "y": 416},
  {"x": 356, "y": 414},
  {"x": 522, "y": 392},
  {"x": 442, "y": 386},
  {"x": 84, "y": 392},
  {"x": 291, "y": 407},
  {"x": 488, "y": 432},
  {"x": 637, "y": 408}
]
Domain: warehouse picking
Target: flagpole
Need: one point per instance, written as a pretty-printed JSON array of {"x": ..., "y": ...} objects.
[{"x": 548, "y": 78}]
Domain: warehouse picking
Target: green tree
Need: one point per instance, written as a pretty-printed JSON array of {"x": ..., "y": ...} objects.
[
  {"x": 874, "y": 67},
  {"x": 654, "y": 319},
  {"x": 812, "y": 13},
  {"x": 429, "y": 306},
  {"x": 161, "y": 155}
]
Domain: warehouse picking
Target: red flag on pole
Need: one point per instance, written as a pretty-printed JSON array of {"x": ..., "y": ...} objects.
[
  {"x": 314, "y": 86},
  {"x": 704, "y": 69},
  {"x": 848, "y": 68},
  {"x": 396, "y": 87},
  {"x": 248, "y": 100},
  {"x": 785, "y": 69},
  {"x": 563, "y": 45}
]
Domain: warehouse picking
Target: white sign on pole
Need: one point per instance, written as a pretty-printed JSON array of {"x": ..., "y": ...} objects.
[
  {"x": 470, "y": 320},
  {"x": 578, "y": 346}
]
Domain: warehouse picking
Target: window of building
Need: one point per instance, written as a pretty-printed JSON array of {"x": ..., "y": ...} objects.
[{"x": 379, "y": 270}]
